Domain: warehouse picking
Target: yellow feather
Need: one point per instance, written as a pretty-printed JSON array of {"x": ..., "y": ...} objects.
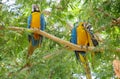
[{"x": 85, "y": 64}]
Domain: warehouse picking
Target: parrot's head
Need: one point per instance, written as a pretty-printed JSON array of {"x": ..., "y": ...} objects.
[
  {"x": 35, "y": 8},
  {"x": 88, "y": 26},
  {"x": 81, "y": 24},
  {"x": 85, "y": 25}
]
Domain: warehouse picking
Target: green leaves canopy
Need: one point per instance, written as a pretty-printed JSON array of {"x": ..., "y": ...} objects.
[{"x": 13, "y": 45}]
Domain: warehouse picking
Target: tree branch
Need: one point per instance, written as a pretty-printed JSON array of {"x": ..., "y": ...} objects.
[{"x": 64, "y": 42}]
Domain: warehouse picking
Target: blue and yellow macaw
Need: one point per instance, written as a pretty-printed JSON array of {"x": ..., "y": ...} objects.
[
  {"x": 36, "y": 21},
  {"x": 82, "y": 37}
]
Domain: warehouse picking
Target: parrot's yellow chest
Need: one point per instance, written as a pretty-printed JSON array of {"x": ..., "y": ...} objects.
[
  {"x": 82, "y": 36},
  {"x": 35, "y": 22}
]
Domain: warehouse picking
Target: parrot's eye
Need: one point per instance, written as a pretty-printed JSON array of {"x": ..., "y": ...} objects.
[{"x": 82, "y": 24}]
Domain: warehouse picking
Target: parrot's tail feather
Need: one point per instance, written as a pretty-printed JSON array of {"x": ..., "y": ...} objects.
[
  {"x": 85, "y": 64},
  {"x": 77, "y": 54},
  {"x": 31, "y": 49}
]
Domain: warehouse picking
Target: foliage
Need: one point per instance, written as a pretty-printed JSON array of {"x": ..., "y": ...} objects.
[{"x": 13, "y": 44}]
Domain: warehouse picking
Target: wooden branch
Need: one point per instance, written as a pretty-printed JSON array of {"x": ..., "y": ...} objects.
[
  {"x": 66, "y": 43},
  {"x": 56, "y": 39}
]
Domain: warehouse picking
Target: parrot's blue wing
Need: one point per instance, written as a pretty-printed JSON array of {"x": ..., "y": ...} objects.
[
  {"x": 73, "y": 36},
  {"x": 29, "y": 21},
  {"x": 28, "y": 26},
  {"x": 43, "y": 23}
]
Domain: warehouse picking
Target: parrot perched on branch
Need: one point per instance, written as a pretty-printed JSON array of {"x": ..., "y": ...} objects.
[
  {"x": 82, "y": 36},
  {"x": 35, "y": 21}
]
